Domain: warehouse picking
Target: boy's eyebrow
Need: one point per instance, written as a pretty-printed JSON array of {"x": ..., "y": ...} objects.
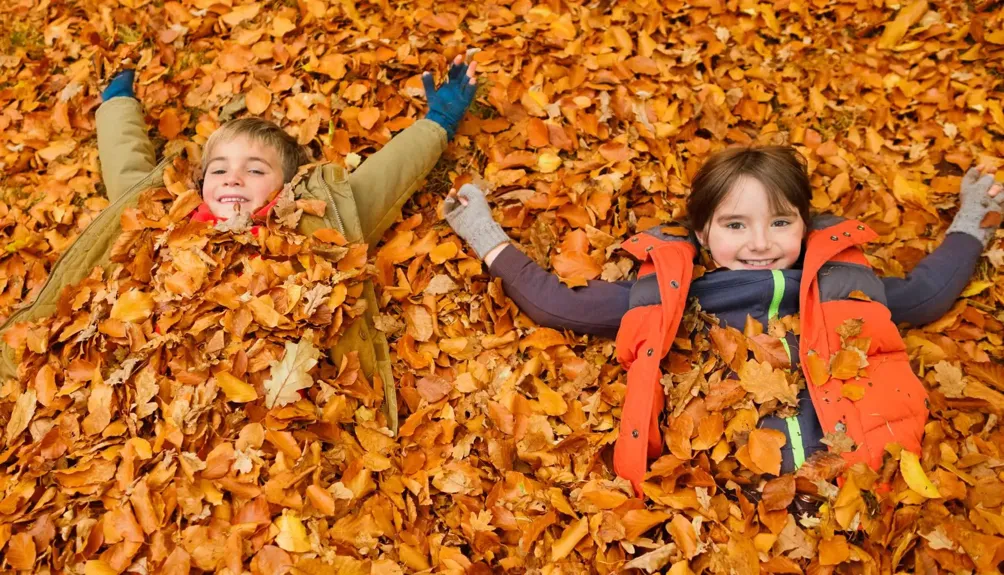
[{"x": 250, "y": 159}]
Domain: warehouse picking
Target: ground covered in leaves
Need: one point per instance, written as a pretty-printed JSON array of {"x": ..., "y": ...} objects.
[{"x": 178, "y": 415}]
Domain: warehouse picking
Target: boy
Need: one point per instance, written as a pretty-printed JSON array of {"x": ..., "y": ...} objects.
[{"x": 244, "y": 163}]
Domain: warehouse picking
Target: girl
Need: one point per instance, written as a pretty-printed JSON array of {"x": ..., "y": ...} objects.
[{"x": 749, "y": 209}]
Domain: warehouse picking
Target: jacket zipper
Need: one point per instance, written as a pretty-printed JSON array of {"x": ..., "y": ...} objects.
[{"x": 794, "y": 429}]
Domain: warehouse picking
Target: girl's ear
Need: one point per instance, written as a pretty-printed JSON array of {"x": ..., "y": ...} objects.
[{"x": 702, "y": 237}]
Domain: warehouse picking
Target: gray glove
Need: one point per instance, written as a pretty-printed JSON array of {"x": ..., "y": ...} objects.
[
  {"x": 474, "y": 221},
  {"x": 974, "y": 204}
]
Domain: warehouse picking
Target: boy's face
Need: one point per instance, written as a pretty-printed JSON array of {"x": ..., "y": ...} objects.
[{"x": 241, "y": 175}]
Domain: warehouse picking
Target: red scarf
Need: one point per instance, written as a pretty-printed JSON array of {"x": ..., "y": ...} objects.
[{"x": 204, "y": 214}]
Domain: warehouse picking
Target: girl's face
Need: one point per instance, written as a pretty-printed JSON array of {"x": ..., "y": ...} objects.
[{"x": 746, "y": 234}]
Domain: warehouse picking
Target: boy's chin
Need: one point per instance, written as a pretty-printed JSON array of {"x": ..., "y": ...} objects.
[{"x": 227, "y": 211}]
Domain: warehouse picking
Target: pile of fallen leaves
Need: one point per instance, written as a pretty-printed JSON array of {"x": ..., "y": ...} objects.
[
  {"x": 140, "y": 439},
  {"x": 186, "y": 387}
]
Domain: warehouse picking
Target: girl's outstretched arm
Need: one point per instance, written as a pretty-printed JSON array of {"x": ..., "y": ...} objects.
[
  {"x": 594, "y": 309},
  {"x": 929, "y": 291}
]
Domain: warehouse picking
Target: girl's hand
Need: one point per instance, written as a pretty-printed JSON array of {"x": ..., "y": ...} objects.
[
  {"x": 449, "y": 103},
  {"x": 979, "y": 195},
  {"x": 469, "y": 215}
]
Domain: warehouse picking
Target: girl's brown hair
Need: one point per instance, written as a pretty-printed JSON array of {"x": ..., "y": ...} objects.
[{"x": 781, "y": 170}]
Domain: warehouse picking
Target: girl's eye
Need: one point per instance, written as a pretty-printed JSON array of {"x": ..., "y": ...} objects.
[
  {"x": 782, "y": 223},
  {"x": 258, "y": 172},
  {"x": 734, "y": 226}
]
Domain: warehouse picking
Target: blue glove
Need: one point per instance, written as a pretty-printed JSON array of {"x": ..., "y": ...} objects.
[
  {"x": 121, "y": 85},
  {"x": 449, "y": 103}
]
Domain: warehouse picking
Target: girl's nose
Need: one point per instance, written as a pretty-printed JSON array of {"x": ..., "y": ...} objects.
[{"x": 760, "y": 240}]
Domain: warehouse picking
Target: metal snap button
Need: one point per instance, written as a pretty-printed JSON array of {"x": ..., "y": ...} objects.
[
  {"x": 847, "y": 234},
  {"x": 634, "y": 239},
  {"x": 634, "y": 434},
  {"x": 860, "y": 227},
  {"x": 834, "y": 238},
  {"x": 650, "y": 351},
  {"x": 649, "y": 248},
  {"x": 674, "y": 283}
]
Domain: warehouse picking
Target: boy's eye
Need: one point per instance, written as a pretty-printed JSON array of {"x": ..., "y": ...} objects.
[
  {"x": 258, "y": 172},
  {"x": 218, "y": 172}
]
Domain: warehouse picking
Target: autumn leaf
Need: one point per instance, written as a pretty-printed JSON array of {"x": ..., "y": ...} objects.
[
  {"x": 765, "y": 450},
  {"x": 24, "y": 410},
  {"x": 765, "y": 383},
  {"x": 288, "y": 376}
]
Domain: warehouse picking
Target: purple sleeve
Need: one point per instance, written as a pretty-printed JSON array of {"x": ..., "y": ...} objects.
[
  {"x": 930, "y": 289},
  {"x": 595, "y": 309}
]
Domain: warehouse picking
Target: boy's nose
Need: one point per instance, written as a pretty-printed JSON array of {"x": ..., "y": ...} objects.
[{"x": 233, "y": 180}]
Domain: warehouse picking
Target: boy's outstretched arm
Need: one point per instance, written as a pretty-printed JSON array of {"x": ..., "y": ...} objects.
[
  {"x": 930, "y": 289},
  {"x": 124, "y": 148},
  {"x": 596, "y": 309},
  {"x": 385, "y": 181}
]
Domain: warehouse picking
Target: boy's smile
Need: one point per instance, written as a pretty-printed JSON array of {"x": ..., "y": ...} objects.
[{"x": 241, "y": 176}]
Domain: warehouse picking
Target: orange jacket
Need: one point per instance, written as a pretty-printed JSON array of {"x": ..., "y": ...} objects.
[{"x": 894, "y": 406}]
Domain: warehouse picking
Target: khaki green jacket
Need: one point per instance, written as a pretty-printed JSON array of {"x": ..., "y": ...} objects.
[{"x": 362, "y": 205}]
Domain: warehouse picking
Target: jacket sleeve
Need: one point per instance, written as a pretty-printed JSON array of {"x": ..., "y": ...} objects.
[
  {"x": 929, "y": 291},
  {"x": 595, "y": 309},
  {"x": 124, "y": 148},
  {"x": 385, "y": 181}
]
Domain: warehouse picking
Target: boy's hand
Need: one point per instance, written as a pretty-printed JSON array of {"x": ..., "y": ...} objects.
[
  {"x": 979, "y": 195},
  {"x": 449, "y": 103},
  {"x": 121, "y": 85},
  {"x": 468, "y": 214}
]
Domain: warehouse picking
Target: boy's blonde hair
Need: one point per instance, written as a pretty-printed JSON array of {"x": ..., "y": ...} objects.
[{"x": 262, "y": 132}]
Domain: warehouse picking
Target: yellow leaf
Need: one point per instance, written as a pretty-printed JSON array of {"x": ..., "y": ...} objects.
[
  {"x": 235, "y": 389},
  {"x": 896, "y": 30},
  {"x": 995, "y": 37},
  {"x": 24, "y": 410},
  {"x": 240, "y": 14},
  {"x": 913, "y": 474},
  {"x": 909, "y": 192},
  {"x": 551, "y": 401},
  {"x": 281, "y": 26},
  {"x": 976, "y": 287},
  {"x": 569, "y": 539},
  {"x": 443, "y": 252},
  {"x": 133, "y": 306},
  {"x": 292, "y": 535},
  {"x": 548, "y": 162},
  {"x": 98, "y": 567}
]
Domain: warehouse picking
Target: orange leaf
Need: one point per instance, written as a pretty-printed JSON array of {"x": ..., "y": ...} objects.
[
  {"x": 170, "y": 124},
  {"x": 368, "y": 117},
  {"x": 765, "y": 450},
  {"x": 576, "y": 265},
  {"x": 852, "y": 392},
  {"x": 844, "y": 364},
  {"x": 818, "y": 371},
  {"x": 257, "y": 99},
  {"x": 834, "y": 551}
]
